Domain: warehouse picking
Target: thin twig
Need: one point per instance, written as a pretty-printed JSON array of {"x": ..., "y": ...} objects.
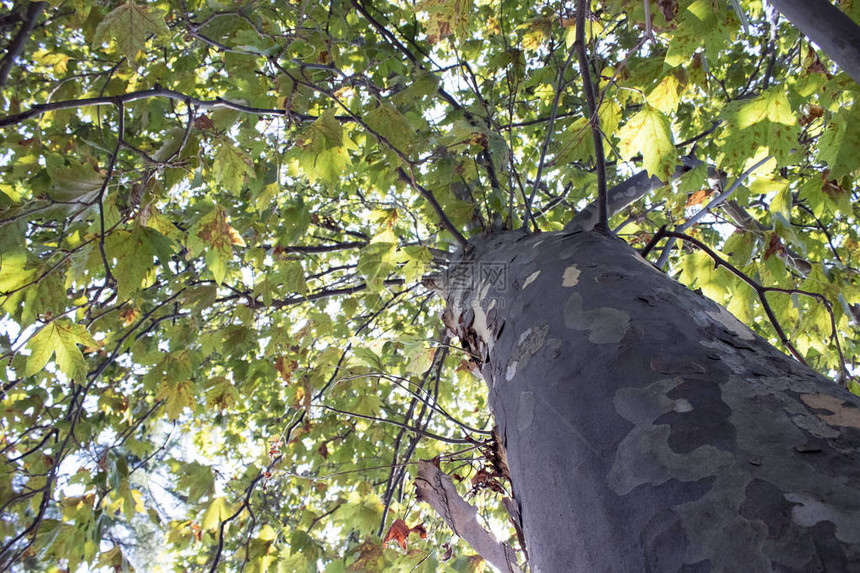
[
  {"x": 760, "y": 290},
  {"x": 443, "y": 218},
  {"x": 34, "y": 10},
  {"x": 100, "y": 198},
  {"x": 664, "y": 255},
  {"x": 594, "y": 119},
  {"x": 407, "y": 427},
  {"x": 217, "y": 103},
  {"x": 546, "y": 140}
]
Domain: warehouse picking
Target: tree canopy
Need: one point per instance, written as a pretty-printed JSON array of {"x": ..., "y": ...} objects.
[{"x": 221, "y": 349}]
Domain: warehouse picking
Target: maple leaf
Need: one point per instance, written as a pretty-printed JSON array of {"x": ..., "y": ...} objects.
[
  {"x": 285, "y": 368},
  {"x": 369, "y": 558},
  {"x": 129, "y": 315},
  {"x": 129, "y": 25},
  {"x": 764, "y": 121},
  {"x": 214, "y": 233},
  {"x": 774, "y": 246},
  {"x": 60, "y": 339},
  {"x": 649, "y": 132},
  {"x": 446, "y": 18},
  {"x": 231, "y": 167},
  {"x": 399, "y": 532}
]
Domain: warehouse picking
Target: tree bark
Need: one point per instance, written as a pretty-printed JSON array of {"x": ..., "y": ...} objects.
[
  {"x": 827, "y": 26},
  {"x": 645, "y": 427}
]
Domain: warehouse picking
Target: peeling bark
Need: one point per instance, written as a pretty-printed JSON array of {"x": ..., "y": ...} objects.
[{"x": 646, "y": 428}]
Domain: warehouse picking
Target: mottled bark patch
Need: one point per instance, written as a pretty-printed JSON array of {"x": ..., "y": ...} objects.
[
  {"x": 809, "y": 511},
  {"x": 530, "y": 279},
  {"x": 705, "y": 421},
  {"x": 842, "y": 413},
  {"x": 734, "y": 325},
  {"x": 528, "y": 344},
  {"x": 525, "y": 411},
  {"x": 570, "y": 277},
  {"x": 644, "y": 455},
  {"x": 605, "y": 325}
]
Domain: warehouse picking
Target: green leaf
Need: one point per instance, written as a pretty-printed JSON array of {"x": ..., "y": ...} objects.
[
  {"x": 368, "y": 357},
  {"x": 77, "y": 182},
  {"x": 424, "y": 84},
  {"x": 839, "y": 144},
  {"x": 213, "y": 233},
  {"x": 295, "y": 222},
  {"x": 665, "y": 95},
  {"x": 417, "y": 259},
  {"x": 649, "y": 132},
  {"x": 231, "y": 166},
  {"x": 195, "y": 478},
  {"x": 390, "y": 124},
  {"x": 420, "y": 356},
  {"x": 13, "y": 270},
  {"x": 130, "y": 25},
  {"x": 177, "y": 396},
  {"x": 702, "y": 21},
  {"x": 321, "y": 152},
  {"x": 60, "y": 337},
  {"x": 131, "y": 253},
  {"x": 576, "y": 143},
  {"x": 764, "y": 124},
  {"x": 376, "y": 262}
]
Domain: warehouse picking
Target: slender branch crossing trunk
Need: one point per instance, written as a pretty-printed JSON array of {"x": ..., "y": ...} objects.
[{"x": 646, "y": 428}]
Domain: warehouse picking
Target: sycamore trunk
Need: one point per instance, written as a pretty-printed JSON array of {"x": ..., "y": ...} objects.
[{"x": 646, "y": 428}]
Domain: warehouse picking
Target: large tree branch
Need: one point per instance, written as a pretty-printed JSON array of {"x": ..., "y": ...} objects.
[
  {"x": 438, "y": 489},
  {"x": 624, "y": 194}
]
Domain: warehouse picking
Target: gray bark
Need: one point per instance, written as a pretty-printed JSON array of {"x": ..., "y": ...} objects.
[
  {"x": 438, "y": 490},
  {"x": 827, "y": 26},
  {"x": 646, "y": 428}
]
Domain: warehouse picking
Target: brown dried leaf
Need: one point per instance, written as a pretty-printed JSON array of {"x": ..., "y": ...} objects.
[
  {"x": 699, "y": 196},
  {"x": 813, "y": 64},
  {"x": 420, "y": 530},
  {"x": 815, "y": 111},
  {"x": 285, "y": 368},
  {"x": 398, "y": 532},
  {"x": 669, "y": 8},
  {"x": 203, "y": 123},
  {"x": 447, "y": 552},
  {"x": 774, "y": 246}
]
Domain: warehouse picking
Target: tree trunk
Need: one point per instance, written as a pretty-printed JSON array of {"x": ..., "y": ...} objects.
[
  {"x": 829, "y": 27},
  {"x": 646, "y": 428}
]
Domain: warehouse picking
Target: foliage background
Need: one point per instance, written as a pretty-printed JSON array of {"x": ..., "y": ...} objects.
[{"x": 218, "y": 352}]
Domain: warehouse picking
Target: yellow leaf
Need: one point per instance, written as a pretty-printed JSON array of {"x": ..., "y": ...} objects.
[
  {"x": 649, "y": 133},
  {"x": 215, "y": 513}
]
